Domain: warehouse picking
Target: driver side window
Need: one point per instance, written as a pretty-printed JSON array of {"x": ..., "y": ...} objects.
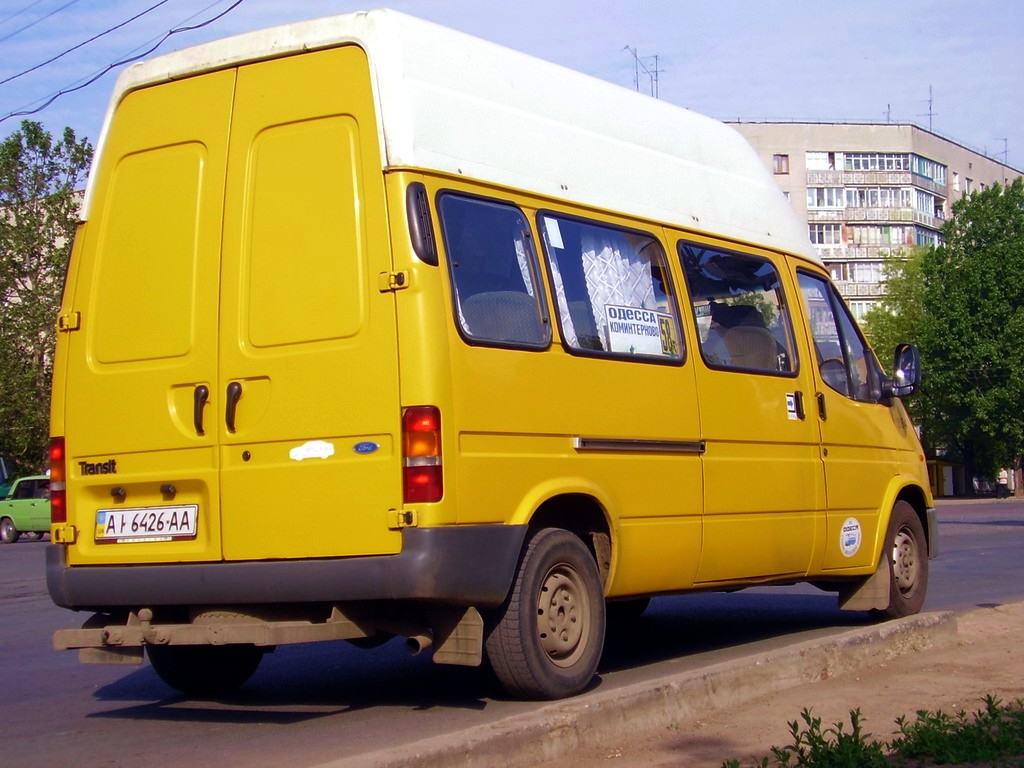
[{"x": 845, "y": 361}]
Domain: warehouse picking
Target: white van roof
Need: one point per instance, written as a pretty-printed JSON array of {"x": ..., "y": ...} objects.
[{"x": 454, "y": 103}]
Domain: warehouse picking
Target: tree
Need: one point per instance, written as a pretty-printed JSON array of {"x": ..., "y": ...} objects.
[
  {"x": 972, "y": 331},
  {"x": 898, "y": 316},
  {"x": 38, "y": 211}
]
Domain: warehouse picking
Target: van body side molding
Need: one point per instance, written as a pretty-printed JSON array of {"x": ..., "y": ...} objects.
[{"x": 620, "y": 445}]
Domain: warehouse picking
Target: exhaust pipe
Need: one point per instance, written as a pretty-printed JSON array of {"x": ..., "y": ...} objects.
[{"x": 416, "y": 644}]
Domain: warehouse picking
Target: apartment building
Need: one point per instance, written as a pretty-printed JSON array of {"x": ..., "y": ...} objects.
[{"x": 868, "y": 191}]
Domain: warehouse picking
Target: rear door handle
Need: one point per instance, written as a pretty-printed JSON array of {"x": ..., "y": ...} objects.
[
  {"x": 234, "y": 395},
  {"x": 200, "y": 397}
]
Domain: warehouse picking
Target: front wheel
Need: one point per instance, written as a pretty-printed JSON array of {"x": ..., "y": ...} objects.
[
  {"x": 906, "y": 550},
  {"x": 546, "y": 640},
  {"x": 9, "y": 532},
  {"x": 204, "y": 670}
]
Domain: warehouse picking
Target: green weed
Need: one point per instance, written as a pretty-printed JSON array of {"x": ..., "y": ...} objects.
[{"x": 992, "y": 736}]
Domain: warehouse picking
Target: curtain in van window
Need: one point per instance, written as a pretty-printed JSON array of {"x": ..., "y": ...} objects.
[
  {"x": 612, "y": 290},
  {"x": 615, "y": 274}
]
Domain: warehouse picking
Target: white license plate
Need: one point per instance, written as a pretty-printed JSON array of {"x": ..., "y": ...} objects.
[{"x": 124, "y": 526}]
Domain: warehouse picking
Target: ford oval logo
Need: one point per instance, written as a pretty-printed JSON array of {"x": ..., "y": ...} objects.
[{"x": 365, "y": 447}]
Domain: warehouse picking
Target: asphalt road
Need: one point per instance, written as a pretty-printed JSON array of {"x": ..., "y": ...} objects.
[{"x": 313, "y": 704}]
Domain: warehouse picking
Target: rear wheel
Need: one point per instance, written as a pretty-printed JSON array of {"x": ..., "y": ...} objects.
[
  {"x": 204, "y": 670},
  {"x": 906, "y": 549},
  {"x": 9, "y": 532},
  {"x": 547, "y": 638}
]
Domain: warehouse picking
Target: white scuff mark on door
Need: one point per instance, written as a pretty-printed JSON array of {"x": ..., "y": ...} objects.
[{"x": 314, "y": 449}]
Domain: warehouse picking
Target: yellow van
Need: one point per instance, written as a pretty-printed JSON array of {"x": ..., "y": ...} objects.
[{"x": 373, "y": 329}]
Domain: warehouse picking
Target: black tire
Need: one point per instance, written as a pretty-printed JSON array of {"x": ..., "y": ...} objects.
[
  {"x": 204, "y": 670},
  {"x": 906, "y": 550},
  {"x": 9, "y": 533},
  {"x": 546, "y": 640}
]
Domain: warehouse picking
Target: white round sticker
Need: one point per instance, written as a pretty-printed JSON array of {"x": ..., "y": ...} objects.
[{"x": 849, "y": 539}]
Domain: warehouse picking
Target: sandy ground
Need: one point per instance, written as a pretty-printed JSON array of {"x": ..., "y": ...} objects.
[{"x": 989, "y": 659}]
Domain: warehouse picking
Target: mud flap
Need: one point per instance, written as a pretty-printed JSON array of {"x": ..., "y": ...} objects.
[{"x": 870, "y": 594}]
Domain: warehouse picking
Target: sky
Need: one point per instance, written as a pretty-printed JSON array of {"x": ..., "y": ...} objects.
[{"x": 955, "y": 66}]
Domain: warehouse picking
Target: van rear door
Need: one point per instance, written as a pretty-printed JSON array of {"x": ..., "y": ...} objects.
[
  {"x": 233, "y": 389},
  {"x": 308, "y": 355},
  {"x": 146, "y": 349}
]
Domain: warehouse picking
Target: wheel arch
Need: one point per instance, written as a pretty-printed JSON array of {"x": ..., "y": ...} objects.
[
  {"x": 584, "y": 515},
  {"x": 915, "y": 496}
]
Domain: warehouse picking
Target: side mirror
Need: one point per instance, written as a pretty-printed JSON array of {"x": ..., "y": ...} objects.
[{"x": 906, "y": 377}]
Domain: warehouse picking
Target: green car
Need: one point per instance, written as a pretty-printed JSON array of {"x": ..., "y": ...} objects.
[{"x": 26, "y": 509}]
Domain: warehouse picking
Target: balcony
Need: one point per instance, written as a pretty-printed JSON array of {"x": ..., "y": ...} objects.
[
  {"x": 861, "y": 178},
  {"x": 852, "y": 290},
  {"x": 835, "y": 253}
]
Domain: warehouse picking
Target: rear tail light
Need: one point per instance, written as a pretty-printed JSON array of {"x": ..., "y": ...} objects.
[
  {"x": 422, "y": 478},
  {"x": 58, "y": 487}
]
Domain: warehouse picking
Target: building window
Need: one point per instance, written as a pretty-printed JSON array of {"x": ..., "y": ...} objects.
[
  {"x": 826, "y": 234},
  {"x": 780, "y": 164},
  {"x": 880, "y": 235},
  {"x": 929, "y": 169},
  {"x": 825, "y": 197},
  {"x": 928, "y": 204},
  {"x": 878, "y": 197},
  {"x": 877, "y": 161},
  {"x": 821, "y": 161},
  {"x": 866, "y": 271},
  {"x": 860, "y": 308}
]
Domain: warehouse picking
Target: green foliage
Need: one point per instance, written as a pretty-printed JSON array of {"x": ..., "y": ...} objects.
[
  {"x": 815, "y": 747},
  {"x": 972, "y": 331},
  {"x": 963, "y": 304},
  {"x": 991, "y": 736},
  {"x": 897, "y": 318},
  {"x": 987, "y": 736},
  {"x": 38, "y": 211}
]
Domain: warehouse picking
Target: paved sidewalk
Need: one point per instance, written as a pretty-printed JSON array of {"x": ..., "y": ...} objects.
[
  {"x": 741, "y": 708},
  {"x": 985, "y": 658}
]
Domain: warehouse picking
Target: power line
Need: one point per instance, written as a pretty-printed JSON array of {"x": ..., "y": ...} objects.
[
  {"x": 33, "y": 23},
  {"x": 83, "y": 43},
  {"x": 14, "y": 15},
  {"x": 96, "y": 76}
]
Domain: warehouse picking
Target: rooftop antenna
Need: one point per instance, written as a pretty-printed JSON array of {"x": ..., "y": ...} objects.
[
  {"x": 888, "y": 113},
  {"x": 652, "y": 74},
  {"x": 929, "y": 114},
  {"x": 1006, "y": 155}
]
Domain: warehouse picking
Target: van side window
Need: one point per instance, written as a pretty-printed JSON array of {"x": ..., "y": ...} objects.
[
  {"x": 845, "y": 361},
  {"x": 612, "y": 290},
  {"x": 493, "y": 268},
  {"x": 739, "y": 307}
]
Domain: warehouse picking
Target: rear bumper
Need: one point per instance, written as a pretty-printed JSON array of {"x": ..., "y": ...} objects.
[{"x": 471, "y": 565}]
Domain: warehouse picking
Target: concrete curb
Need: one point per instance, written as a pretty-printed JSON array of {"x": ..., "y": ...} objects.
[{"x": 605, "y": 718}]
